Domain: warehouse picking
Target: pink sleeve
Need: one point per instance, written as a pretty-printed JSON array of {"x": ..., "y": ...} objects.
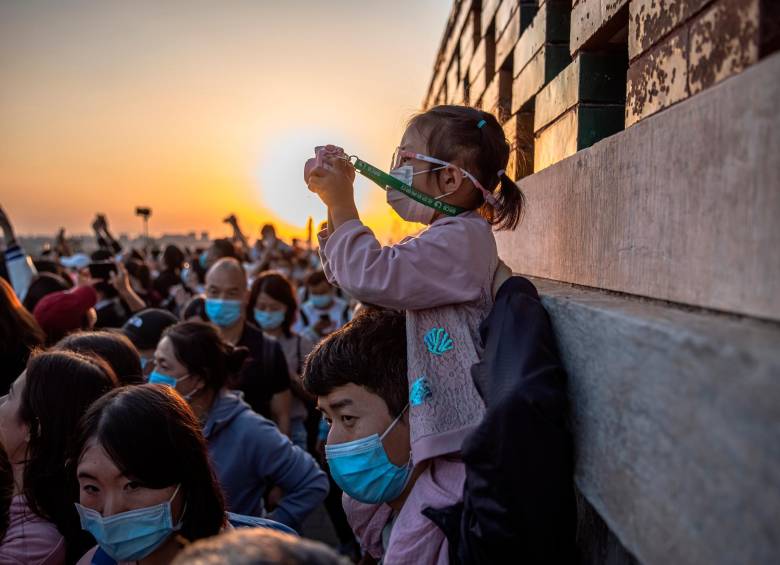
[{"x": 448, "y": 263}]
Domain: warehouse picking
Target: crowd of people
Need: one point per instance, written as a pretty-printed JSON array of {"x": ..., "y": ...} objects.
[
  {"x": 196, "y": 405},
  {"x": 225, "y": 326}
]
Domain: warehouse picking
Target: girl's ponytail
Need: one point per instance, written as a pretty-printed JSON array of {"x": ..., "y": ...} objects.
[
  {"x": 511, "y": 204},
  {"x": 505, "y": 212}
]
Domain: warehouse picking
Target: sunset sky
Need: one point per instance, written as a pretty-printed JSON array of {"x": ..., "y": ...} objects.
[{"x": 201, "y": 108}]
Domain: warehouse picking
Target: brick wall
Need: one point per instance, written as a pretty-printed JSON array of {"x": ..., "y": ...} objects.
[
  {"x": 646, "y": 139},
  {"x": 562, "y": 75}
]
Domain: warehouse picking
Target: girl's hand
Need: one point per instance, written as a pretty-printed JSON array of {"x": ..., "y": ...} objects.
[{"x": 332, "y": 178}]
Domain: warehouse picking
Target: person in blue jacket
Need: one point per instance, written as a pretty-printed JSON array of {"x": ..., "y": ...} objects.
[{"x": 250, "y": 455}]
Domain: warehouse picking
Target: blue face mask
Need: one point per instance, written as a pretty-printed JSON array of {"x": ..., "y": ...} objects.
[
  {"x": 269, "y": 320},
  {"x": 321, "y": 300},
  {"x": 144, "y": 363},
  {"x": 224, "y": 313},
  {"x": 362, "y": 470},
  {"x": 156, "y": 378},
  {"x": 131, "y": 535}
]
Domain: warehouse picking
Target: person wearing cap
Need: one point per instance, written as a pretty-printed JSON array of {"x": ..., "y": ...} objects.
[
  {"x": 144, "y": 329},
  {"x": 62, "y": 312}
]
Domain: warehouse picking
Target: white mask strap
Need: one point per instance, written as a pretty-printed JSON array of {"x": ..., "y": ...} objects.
[
  {"x": 394, "y": 422},
  {"x": 489, "y": 197},
  {"x": 429, "y": 170},
  {"x": 182, "y": 379}
]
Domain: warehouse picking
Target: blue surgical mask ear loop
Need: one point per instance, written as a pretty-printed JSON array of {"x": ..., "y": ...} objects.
[
  {"x": 183, "y": 509},
  {"x": 394, "y": 422},
  {"x": 391, "y": 426}
]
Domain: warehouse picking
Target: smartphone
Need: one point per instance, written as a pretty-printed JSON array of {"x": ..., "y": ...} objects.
[{"x": 102, "y": 270}]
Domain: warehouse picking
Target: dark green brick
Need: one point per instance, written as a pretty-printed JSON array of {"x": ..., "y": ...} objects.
[
  {"x": 591, "y": 77},
  {"x": 543, "y": 67},
  {"x": 550, "y": 25},
  {"x": 576, "y": 129}
]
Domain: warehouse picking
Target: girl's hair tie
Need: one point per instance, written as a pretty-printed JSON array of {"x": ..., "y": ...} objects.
[
  {"x": 481, "y": 124},
  {"x": 501, "y": 173}
]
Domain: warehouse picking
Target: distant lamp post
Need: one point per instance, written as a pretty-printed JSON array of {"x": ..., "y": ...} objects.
[{"x": 144, "y": 213}]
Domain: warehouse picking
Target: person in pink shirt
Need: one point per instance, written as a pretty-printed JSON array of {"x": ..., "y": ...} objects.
[{"x": 448, "y": 173}]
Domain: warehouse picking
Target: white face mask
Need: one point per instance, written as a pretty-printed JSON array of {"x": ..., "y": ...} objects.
[{"x": 409, "y": 209}]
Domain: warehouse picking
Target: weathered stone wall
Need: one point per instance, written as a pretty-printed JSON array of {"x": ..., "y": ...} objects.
[
  {"x": 625, "y": 60},
  {"x": 645, "y": 138}
]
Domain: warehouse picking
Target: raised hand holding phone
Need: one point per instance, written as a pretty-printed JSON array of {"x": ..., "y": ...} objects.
[{"x": 120, "y": 280}]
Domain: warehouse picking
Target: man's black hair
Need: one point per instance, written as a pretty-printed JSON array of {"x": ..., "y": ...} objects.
[{"x": 369, "y": 351}]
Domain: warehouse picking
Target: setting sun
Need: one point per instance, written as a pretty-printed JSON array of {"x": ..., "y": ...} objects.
[{"x": 199, "y": 110}]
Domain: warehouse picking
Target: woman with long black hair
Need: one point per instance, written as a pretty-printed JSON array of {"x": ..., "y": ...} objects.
[
  {"x": 38, "y": 419},
  {"x": 145, "y": 484},
  {"x": 273, "y": 306}
]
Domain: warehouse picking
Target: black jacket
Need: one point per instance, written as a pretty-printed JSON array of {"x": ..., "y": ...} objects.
[{"x": 518, "y": 501}]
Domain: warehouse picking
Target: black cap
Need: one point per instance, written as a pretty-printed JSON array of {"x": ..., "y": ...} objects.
[{"x": 146, "y": 327}]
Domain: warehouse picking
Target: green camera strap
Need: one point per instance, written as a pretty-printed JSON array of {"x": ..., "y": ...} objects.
[{"x": 386, "y": 182}]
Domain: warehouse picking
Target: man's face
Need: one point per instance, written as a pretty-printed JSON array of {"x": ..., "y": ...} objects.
[
  {"x": 354, "y": 412},
  {"x": 226, "y": 284},
  {"x": 321, "y": 289}
]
